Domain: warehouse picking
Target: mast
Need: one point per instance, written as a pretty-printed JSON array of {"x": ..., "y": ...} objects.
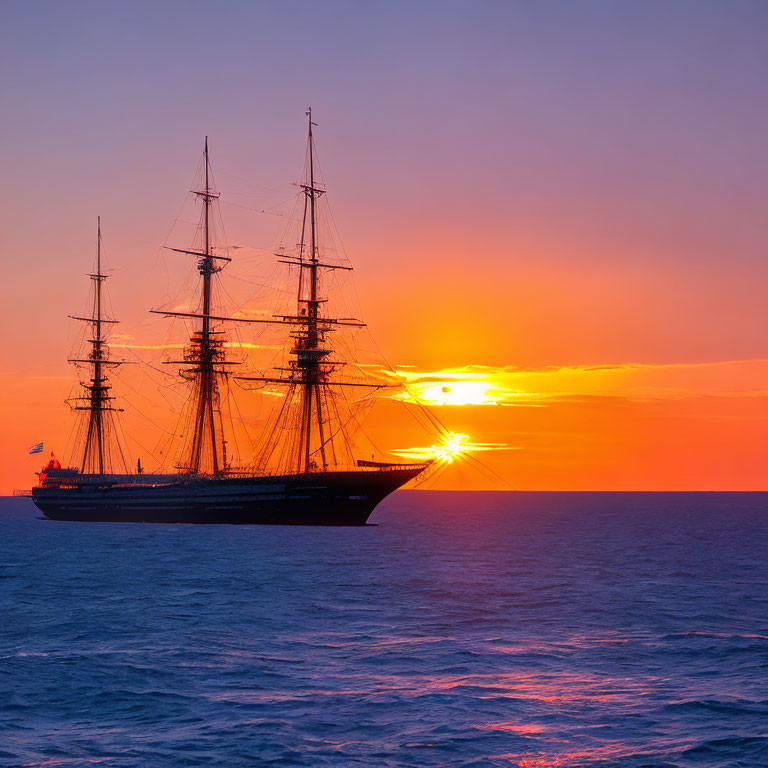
[
  {"x": 308, "y": 373},
  {"x": 205, "y": 428},
  {"x": 96, "y": 456},
  {"x": 98, "y": 352},
  {"x": 205, "y": 353},
  {"x": 308, "y": 352}
]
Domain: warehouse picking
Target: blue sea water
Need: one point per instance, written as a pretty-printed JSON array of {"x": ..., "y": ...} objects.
[{"x": 463, "y": 629}]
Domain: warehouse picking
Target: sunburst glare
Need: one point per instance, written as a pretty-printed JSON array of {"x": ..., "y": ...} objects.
[{"x": 453, "y": 446}]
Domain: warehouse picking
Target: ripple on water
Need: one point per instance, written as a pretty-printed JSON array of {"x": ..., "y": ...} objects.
[{"x": 554, "y": 630}]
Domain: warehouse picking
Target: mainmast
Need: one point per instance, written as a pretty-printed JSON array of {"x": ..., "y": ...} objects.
[
  {"x": 207, "y": 451},
  {"x": 96, "y": 458},
  {"x": 205, "y": 428}
]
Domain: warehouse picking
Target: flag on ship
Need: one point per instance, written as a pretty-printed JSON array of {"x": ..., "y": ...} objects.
[{"x": 36, "y": 448}]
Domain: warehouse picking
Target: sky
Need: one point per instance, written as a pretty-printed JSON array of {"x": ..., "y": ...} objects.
[{"x": 555, "y": 211}]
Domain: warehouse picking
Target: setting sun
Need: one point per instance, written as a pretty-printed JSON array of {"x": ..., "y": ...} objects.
[
  {"x": 457, "y": 393},
  {"x": 449, "y": 387},
  {"x": 453, "y": 446}
]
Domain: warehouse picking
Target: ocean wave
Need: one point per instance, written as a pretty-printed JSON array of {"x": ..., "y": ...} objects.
[{"x": 554, "y": 631}]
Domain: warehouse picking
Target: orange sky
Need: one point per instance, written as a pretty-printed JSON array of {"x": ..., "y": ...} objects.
[{"x": 558, "y": 217}]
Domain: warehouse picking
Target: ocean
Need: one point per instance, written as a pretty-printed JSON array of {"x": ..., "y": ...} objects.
[{"x": 462, "y": 629}]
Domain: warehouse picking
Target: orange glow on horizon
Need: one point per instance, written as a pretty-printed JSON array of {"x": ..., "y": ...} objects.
[{"x": 634, "y": 427}]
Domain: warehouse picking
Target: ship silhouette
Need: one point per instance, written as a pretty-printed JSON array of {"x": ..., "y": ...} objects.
[{"x": 304, "y": 470}]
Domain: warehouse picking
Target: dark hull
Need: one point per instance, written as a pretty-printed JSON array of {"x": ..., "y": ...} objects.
[{"x": 321, "y": 498}]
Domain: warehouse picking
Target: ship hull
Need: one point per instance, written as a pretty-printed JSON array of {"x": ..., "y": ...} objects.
[{"x": 320, "y": 498}]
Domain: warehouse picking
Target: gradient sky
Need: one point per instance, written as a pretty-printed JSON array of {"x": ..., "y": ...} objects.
[{"x": 563, "y": 201}]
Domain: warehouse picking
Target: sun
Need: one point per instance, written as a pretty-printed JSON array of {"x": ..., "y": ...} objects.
[
  {"x": 451, "y": 448},
  {"x": 459, "y": 392}
]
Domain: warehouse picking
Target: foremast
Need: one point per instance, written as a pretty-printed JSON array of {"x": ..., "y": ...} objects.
[
  {"x": 97, "y": 456},
  {"x": 311, "y": 365}
]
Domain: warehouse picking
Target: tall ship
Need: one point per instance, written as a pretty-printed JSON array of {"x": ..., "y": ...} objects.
[{"x": 304, "y": 469}]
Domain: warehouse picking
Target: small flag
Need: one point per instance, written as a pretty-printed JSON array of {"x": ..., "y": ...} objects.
[{"x": 36, "y": 448}]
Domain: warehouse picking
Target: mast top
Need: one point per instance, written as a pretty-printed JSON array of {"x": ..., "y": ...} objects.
[{"x": 206, "y": 194}]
